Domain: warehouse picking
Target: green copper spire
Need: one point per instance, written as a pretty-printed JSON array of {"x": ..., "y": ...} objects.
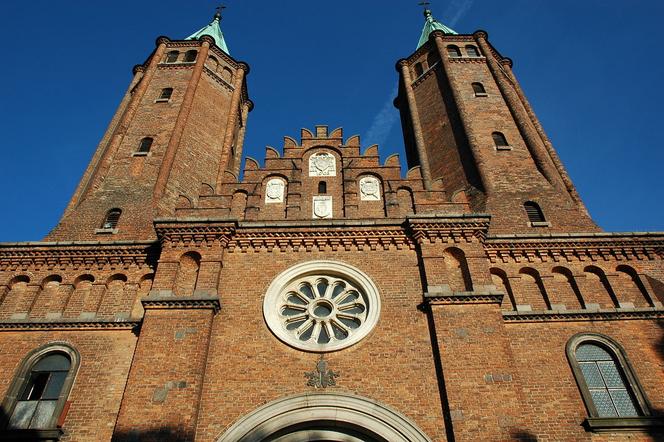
[
  {"x": 430, "y": 25},
  {"x": 214, "y": 31}
]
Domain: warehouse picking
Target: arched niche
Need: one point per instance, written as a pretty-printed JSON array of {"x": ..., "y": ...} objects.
[
  {"x": 337, "y": 417},
  {"x": 500, "y": 280},
  {"x": 187, "y": 275},
  {"x": 458, "y": 274},
  {"x": 565, "y": 288},
  {"x": 532, "y": 289},
  {"x": 629, "y": 287},
  {"x": 598, "y": 289}
]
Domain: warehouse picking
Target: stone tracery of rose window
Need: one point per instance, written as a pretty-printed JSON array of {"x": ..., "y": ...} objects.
[{"x": 322, "y": 309}]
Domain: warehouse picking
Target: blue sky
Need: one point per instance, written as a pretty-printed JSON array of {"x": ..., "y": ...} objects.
[{"x": 592, "y": 70}]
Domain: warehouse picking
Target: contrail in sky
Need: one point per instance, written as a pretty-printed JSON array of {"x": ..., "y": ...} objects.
[
  {"x": 383, "y": 121},
  {"x": 455, "y": 10},
  {"x": 388, "y": 115}
]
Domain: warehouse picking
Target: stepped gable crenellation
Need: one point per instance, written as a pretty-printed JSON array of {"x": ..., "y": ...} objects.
[{"x": 357, "y": 184}]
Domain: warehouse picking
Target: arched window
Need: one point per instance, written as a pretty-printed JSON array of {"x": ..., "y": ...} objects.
[
  {"x": 535, "y": 214},
  {"x": 37, "y": 397},
  {"x": 322, "y": 187},
  {"x": 112, "y": 218},
  {"x": 190, "y": 56},
  {"x": 608, "y": 385},
  {"x": 479, "y": 90},
  {"x": 145, "y": 145},
  {"x": 499, "y": 139},
  {"x": 453, "y": 51},
  {"x": 213, "y": 63},
  {"x": 472, "y": 51},
  {"x": 419, "y": 69},
  {"x": 165, "y": 94},
  {"x": 172, "y": 57}
]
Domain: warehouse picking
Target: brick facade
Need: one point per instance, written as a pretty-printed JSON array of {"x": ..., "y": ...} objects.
[{"x": 478, "y": 301}]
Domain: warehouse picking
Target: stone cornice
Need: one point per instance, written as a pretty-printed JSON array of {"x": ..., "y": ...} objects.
[
  {"x": 584, "y": 315},
  {"x": 64, "y": 324},
  {"x": 87, "y": 255},
  {"x": 181, "y": 302},
  {"x": 581, "y": 247}
]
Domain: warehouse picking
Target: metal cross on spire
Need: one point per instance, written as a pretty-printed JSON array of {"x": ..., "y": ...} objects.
[
  {"x": 424, "y": 4},
  {"x": 219, "y": 8}
]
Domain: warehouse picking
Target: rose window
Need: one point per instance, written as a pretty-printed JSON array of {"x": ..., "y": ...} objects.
[{"x": 322, "y": 309}]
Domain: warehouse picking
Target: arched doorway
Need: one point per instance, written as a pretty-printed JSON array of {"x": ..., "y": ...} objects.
[{"x": 324, "y": 417}]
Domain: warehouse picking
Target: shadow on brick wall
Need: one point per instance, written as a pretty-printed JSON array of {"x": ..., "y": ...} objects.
[
  {"x": 523, "y": 436},
  {"x": 161, "y": 434}
]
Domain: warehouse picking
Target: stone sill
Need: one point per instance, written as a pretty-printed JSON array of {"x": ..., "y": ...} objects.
[
  {"x": 140, "y": 154},
  {"x": 162, "y": 100},
  {"x": 499, "y": 148},
  {"x": 31, "y": 435},
  {"x": 621, "y": 424},
  {"x": 539, "y": 224},
  {"x": 481, "y": 94},
  {"x": 106, "y": 231}
]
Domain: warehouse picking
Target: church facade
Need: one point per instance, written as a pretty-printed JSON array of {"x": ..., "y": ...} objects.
[{"x": 327, "y": 295}]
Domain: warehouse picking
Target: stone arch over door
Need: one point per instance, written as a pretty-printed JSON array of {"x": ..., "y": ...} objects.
[{"x": 324, "y": 416}]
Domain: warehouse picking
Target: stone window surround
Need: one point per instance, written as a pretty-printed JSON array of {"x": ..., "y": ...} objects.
[
  {"x": 322, "y": 268},
  {"x": 18, "y": 383},
  {"x": 610, "y": 424}
]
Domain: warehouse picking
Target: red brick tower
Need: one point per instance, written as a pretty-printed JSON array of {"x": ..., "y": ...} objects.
[
  {"x": 468, "y": 125},
  {"x": 181, "y": 123}
]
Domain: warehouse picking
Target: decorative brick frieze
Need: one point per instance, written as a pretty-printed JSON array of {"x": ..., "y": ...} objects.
[
  {"x": 182, "y": 302},
  {"x": 83, "y": 255},
  {"x": 570, "y": 247},
  {"x": 449, "y": 229},
  {"x": 463, "y": 298},
  {"x": 185, "y": 233},
  {"x": 63, "y": 324},
  {"x": 583, "y": 315}
]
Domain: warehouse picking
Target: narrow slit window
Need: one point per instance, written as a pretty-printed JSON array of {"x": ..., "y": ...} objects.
[
  {"x": 472, "y": 51},
  {"x": 172, "y": 57},
  {"x": 419, "y": 69},
  {"x": 190, "y": 56},
  {"x": 535, "y": 214},
  {"x": 112, "y": 219},
  {"x": 479, "y": 90},
  {"x": 166, "y": 94},
  {"x": 145, "y": 145},
  {"x": 499, "y": 139},
  {"x": 454, "y": 51},
  {"x": 433, "y": 58},
  {"x": 322, "y": 187}
]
